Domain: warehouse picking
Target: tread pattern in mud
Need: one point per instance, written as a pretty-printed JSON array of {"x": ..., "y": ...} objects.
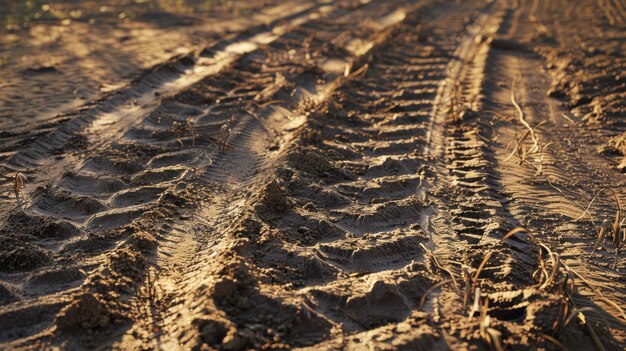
[
  {"x": 336, "y": 243},
  {"x": 341, "y": 179},
  {"x": 112, "y": 192}
]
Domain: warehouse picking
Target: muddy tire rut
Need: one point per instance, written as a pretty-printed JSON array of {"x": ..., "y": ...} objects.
[{"x": 340, "y": 177}]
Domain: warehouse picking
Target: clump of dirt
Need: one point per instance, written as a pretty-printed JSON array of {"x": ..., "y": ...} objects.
[
  {"x": 128, "y": 264},
  {"x": 177, "y": 201},
  {"x": 384, "y": 304},
  {"x": 87, "y": 311},
  {"x": 212, "y": 330},
  {"x": 269, "y": 324},
  {"x": 100, "y": 303},
  {"x": 273, "y": 200},
  {"x": 542, "y": 313},
  {"x": 143, "y": 241},
  {"x": 253, "y": 319},
  {"x": 17, "y": 255}
]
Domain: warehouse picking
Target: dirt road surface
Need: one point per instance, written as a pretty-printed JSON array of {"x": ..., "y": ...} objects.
[{"x": 315, "y": 175}]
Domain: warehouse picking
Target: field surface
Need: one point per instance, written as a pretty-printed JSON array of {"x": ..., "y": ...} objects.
[{"x": 313, "y": 175}]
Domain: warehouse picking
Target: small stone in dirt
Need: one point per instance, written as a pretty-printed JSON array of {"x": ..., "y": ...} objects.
[
  {"x": 212, "y": 331},
  {"x": 224, "y": 288}
]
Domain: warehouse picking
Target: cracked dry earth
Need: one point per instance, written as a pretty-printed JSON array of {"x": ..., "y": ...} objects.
[{"x": 329, "y": 175}]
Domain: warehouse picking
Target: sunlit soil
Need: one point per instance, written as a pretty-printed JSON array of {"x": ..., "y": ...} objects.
[{"x": 321, "y": 175}]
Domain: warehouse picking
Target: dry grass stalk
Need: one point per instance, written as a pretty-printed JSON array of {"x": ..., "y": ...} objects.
[
  {"x": 618, "y": 238},
  {"x": 515, "y": 231},
  {"x": 586, "y": 211},
  {"x": 476, "y": 305},
  {"x": 565, "y": 316},
  {"x": 492, "y": 337},
  {"x": 480, "y": 268},
  {"x": 520, "y": 148},
  {"x": 224, "y": 138},
  {"x": 600, "y": 236},
  {"x": 431, "y": 289},
  {"x": 18, "y": 184},
  {"x": 533, "y": 18},
  {"x": 468, "y": 286},
  {"x": 561, "y": 281},
  {"x": 522, "y": 120},
  {"x": 471, "y": 283},
  {"x": 592, "y": 331}
]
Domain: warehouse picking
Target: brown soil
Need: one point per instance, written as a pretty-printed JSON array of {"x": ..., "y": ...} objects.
[{"x": 323, "y": 175}]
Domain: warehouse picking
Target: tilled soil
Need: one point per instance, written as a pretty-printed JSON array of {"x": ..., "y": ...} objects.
[{"x": 387, "y": 175}]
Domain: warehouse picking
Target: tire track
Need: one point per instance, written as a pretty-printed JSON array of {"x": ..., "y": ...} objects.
[
  {"x": 568, "y": 179},
  {"x": 31, "y": 153},
  {"x": 305, "y": 230},
  {"x": 124, "y": 107},
  {"x": 114, "y": 178},
  {"x": 241, "y": 171},
  {"x": 153, "y": 143},
  {"x": 534, "y": 193}
]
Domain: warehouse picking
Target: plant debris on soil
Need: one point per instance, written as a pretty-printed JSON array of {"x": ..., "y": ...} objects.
[{"x": 313, "y": 174}]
